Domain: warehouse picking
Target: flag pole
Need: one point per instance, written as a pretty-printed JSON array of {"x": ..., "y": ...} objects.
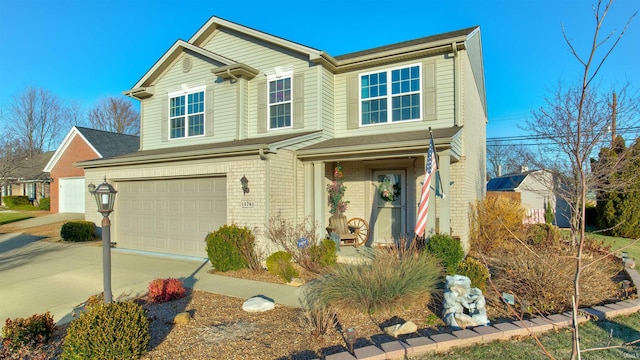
[{"x": 436, "y": 157}]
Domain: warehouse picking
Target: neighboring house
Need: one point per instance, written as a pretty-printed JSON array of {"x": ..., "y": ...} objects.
[
  {"x": 233, "y": 103},
  {"x": 28, "y": 179},
  {"x": 69, "y": 191},
  {"x": 534, "y": 189}
]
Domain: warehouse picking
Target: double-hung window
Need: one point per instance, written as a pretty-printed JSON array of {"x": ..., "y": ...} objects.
[
  {"x": 391, "y": 95},
  {"x": 279, "y": 101},
  {"x": 186, "y": 114}
]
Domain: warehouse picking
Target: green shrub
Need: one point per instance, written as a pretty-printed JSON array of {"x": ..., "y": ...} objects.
[
  {"x": 45, "y": 204},
  {"x": 78, "y": 231},
  {"x": 448, "y": 250},
  {"x": 325, "y": 254},
  {"x": 12, "y": 201},
  {"x": 542, "y": 235},
  {"x": 379, "y": 284},
  {"x": 118, "y": 330},
  {"x": 476, "y": 271},
  {"x": 163, "y": 290},
  {"x": 223, "y": 247},
  {"x": 279, "y": 263},
  {"x": 296, "y": 239},
  {"x": 29, "y": 332}
]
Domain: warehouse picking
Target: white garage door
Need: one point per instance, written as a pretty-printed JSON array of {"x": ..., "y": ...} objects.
[
  {"x": 71, "y": 193},
  {"x": 169, "y": 216}
]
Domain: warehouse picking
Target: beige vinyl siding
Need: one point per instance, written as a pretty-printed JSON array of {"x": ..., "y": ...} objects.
[
  {"x": 474, "y": 51},
  {"x": 172, "y": 80},
  {"x": 444, "y": 101},
  {"x": 327, "y": 97}
]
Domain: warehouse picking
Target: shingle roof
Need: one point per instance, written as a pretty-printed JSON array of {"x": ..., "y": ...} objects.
[
  {"x": 31, "y": 169},
  {"x": 506, "y": 182},
  {"x": 426, "y": 39},
  {"x": 110, "y": 144}
]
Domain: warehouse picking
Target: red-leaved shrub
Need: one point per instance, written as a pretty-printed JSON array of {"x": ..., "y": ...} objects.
[{"x": 163, "y": 290}]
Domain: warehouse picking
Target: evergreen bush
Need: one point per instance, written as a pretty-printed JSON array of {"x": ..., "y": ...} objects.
[
  {"x": 325, "y": 254},
  {"x": 12, "y": 201},
  {"x": 118, "y": 330},
  {"x": 28, "y": 332},
  {"x": 77, "y": 231},
  {"x": 45, "y": 204},
  {"x": 476, "y": 271},
  {"x": 223, "y": 247},
  {"x": 448, "y": 250},
  {"x": 542, "y": 235},
  {"x": 279, "y": 263}
]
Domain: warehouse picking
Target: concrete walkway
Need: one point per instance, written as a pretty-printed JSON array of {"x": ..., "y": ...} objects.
[{"x": 38, "y": 276}]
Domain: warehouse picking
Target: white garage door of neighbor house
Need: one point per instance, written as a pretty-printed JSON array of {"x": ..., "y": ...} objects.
[
  {"x": 71, "y": 193},
  {"x": 169, "y": 216}
]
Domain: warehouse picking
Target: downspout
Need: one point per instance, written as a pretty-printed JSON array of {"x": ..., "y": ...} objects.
[
  {"x": 456, "y": 85},
  {"x": 267, "y": 185}
]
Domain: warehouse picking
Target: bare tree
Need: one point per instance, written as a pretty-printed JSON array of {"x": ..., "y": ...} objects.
[
  {"x": 38, "y": 118},
  {"x": 505, "y": 158},
  {"x": 115, "y": 115},
  {"x": 575, "y": 120}
]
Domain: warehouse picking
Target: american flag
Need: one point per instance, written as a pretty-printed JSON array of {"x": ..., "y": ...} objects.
[{"x": 423, "y": 208}]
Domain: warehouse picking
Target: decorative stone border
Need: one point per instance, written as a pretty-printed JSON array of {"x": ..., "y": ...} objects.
[{"x": 483, "y": 334}]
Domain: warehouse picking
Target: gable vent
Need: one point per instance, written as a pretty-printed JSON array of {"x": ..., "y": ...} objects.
[{"x": 186, "y": 64}]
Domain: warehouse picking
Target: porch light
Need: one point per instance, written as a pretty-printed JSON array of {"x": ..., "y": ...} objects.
[{"x": 245, "y": 184}]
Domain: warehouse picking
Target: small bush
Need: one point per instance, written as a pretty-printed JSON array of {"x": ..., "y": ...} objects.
[
  {"x": 448, "y": 250},
  {"x": 296, "y": 239},
  {"x": 13, "y": 201},
  {"x": 45, "y": 204},
  {"x": 325, "y": 254},
  {"x": 77, "y": 231},
  {"x": 163, "y": 290},
  {"x": 118, "y": 330},
  {"x": 476, "y": 271},
  {"x": 545, "y": 282},
  {"x": 279, "y": 263},
  {"x": 229, "y": 246},
  {"x": 542, "y": 235},
  {"x": 319, "y": 319},
  {"x": 494, "y": 223},
  {"x": 29, "y": 332},
  {"x": 379, "y": 284}
]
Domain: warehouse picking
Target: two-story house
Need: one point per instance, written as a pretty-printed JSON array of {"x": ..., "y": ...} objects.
[{"x": 238, "y": 126}]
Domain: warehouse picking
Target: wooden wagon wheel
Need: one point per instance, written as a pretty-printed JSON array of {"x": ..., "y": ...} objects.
[{"x": 360, "y": 228}]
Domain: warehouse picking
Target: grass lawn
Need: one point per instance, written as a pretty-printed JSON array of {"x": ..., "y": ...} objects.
[
  {"x": 592, "y": 334},
  {"x": 616, "y": 243},
  {"x": 6, "y": 218}
]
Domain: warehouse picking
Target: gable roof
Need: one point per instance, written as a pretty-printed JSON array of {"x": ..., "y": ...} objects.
[
  {"x": 104, "y": 143},
  {"x": 441, "y": 43},
  {"x": 509, "y": 182}
]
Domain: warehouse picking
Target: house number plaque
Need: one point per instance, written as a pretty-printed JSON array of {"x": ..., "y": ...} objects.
[{"x": 247, "y": 204}]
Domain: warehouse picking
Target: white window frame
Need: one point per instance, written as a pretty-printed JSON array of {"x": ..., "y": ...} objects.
[
  {"x": 389, "y": 96},
  {"x": 186, "y": 92},
  {"x": 279, "y": 74}
]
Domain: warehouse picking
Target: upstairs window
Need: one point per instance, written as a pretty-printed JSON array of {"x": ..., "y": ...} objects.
[
  {"x": 186, "y": 114},
  {"x": 279, "y": 101},
  {"x": 390, "y": 96}
]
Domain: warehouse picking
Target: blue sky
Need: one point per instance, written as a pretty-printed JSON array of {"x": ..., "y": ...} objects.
[{"x": 86, "y": 50}]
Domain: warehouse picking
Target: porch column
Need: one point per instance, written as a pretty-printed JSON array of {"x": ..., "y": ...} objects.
[
  {"x": 308, "y": 190},
  {"x": 444, "y": 186},
  {"x": 319, "y": 195}
]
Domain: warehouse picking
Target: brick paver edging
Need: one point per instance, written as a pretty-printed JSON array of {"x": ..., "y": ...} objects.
[{"x": 482, "y": 334}]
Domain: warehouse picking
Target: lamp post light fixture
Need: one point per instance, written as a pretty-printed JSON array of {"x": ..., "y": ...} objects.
[{"x": 105, "y": 196}]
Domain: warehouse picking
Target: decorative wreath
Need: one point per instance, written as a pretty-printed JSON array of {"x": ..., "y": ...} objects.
[{"x": 389, "y": 188}]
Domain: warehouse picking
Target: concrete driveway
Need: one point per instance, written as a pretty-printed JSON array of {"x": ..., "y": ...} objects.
[{"x": 38, "y": 276}]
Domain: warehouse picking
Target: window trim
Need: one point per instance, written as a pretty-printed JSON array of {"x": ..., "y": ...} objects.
[
  {"x": 280, "y": 75},
  {"x": 186, "y": 92},
  {"x": 389, "y": 96}
]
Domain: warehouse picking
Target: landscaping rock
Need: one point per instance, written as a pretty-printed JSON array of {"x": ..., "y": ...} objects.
[
  {"x": 401, "y": 329},
  {"x": 629, "y": 263},
  {"x": 296, "y": 282},
  {"x": 258, "y": 304},
  {"x": 463, "y": 306},
  {"x": 182, "y": 318}
]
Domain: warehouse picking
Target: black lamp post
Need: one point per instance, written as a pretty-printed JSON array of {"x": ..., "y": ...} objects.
[{"x": 105, "y": 196}]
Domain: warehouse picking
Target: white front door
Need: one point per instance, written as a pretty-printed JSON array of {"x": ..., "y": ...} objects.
[{"x": 389, "y": 205}]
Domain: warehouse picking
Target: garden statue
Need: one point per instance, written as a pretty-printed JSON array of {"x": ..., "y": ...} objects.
[{"x": 463, "y": 305}]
